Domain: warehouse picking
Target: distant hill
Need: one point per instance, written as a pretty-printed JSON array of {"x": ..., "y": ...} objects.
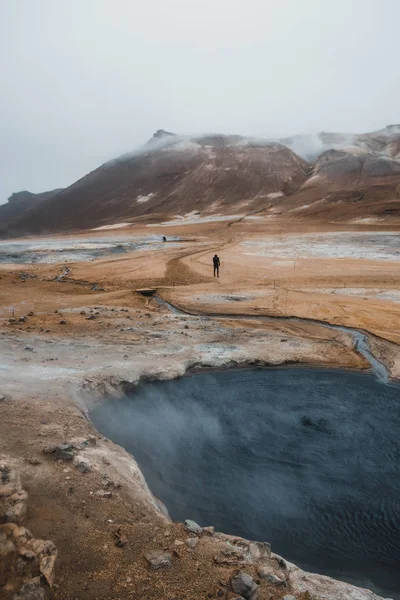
[
  {"x": 324, "y": 177},
  {"x": 19, "y": 205}
]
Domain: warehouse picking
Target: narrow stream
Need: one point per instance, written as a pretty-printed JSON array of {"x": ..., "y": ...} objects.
[{"x": 360, "y": 338}]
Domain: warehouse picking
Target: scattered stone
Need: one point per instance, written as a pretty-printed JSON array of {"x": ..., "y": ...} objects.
[
  {"x": 82, "y": 312},
  {"x": 32, "y": 590},
  {"x": 244, "y": 584},
  {"x": 193, "y": 527},
  {"x": 12, "y": 320},
  {"x": 281, "y": 562},
  {"x": 104, "y": 494},
  {"x": 192, "y": 543},
  {"x": 266, "y": 574},
  {"x": 230, "y": 558},
  {"x": 22, "y": 319},
  {"x": 122, "y": 540},
  {"x": 259, "y": 551},
  {"x": 64, "y": 452},
  {"x": 209, "y": 530},
  {"x": 158, "y": 559},
  {"x": 90, "y": 318},
  {"x": 31, "y": 313},
  {"x": 62, "y": 322},
  {"x": 28, "y": 348},
  {"x": 186, "y": 326},
  {"x": 83, "y": 466},
  {"x": 33, "y": 461},
  {"x": 178, "y": 543}
]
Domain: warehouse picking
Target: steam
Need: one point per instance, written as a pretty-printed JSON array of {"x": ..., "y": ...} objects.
[{"x": 307, "y": 146}]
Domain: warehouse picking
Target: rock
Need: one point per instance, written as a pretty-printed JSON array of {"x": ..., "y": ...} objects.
[
  {"x": 209, "y": 530},
  {"x": 22, "y": 319},
  {"x": 121, "y": 540},
  {"x": 264, "y": 571},
  {"x": 103, "y": 494},
  {"x": 233, "y": 556},
  {"x": 12, "y": 320},
  {"x": 2, "y": 398},
  {"x": 83, "y": 466},
  {"x": 193, "y": 527},
  {"x": 90, "y": 318},
  {"x": 178, "y": 543},
  {"x": 158, "y": 559},
  {"x": 28, "y": 348},
  {"x": 17, "y": 507},
  {"x": 192, "y": 543},
  {"x": 32, "y": 590},
  {"x": 31, "y": 313},
  {"x": 64, "y": 452},
  {"x": 244, "y": 584},
  {"x": 62, "y": 322},
  {"x": 271, "y": 578},
  {"x": 259, "y": 551}
]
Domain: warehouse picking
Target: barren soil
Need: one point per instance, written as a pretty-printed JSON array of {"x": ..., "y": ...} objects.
[{"x": 83, "y": 343}]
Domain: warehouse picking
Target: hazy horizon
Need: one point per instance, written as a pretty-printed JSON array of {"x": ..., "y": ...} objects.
[{"x": 86, "y": 82}]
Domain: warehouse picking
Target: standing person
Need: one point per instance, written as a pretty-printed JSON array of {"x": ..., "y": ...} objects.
[{"x": 216, "y": 263}]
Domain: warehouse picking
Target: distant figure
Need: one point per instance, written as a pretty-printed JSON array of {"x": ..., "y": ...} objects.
[
  {"x": 216, "y": 263},
  {"x": 164, "y": 239}
]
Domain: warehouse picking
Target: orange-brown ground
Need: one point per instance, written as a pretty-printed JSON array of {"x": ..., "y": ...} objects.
[{"x": 72, "y": 360}]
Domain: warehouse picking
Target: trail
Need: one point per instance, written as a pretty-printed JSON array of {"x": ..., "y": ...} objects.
[{"x": 360, "y": 338}]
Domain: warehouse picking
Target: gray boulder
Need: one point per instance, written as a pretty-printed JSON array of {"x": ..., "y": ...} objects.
[
  {"x": 158, "y": 559},
  {"x": 193, "y": 527},
  {"x": 244, "y": 584},
  {"x": 64, "y": 452},
  {"x": 32, "y": 590}
]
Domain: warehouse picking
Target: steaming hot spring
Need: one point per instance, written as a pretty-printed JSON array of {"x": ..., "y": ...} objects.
[{"x": 306, "y": 459}]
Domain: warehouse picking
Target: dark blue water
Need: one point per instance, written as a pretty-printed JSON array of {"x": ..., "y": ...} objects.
[{"x": 308, "y": 460}]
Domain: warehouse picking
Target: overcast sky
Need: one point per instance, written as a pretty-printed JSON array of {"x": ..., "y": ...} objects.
[{"x": 83, "y": 81}]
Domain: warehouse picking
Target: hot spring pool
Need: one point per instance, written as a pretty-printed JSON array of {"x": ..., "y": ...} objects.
[{"x": 306, "y": 459}]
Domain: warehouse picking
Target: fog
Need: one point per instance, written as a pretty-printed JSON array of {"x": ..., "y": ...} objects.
[{"x": 83, "y": 82}]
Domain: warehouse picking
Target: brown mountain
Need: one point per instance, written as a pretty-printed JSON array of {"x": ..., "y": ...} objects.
[
  {"x": 340, "y": 177},
  {"x": 171, "y": 176},
  {"x": 20, "y": 204}
]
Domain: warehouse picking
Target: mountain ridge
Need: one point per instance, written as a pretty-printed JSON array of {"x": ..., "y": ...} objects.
[{"x": 173, "y": 175}]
